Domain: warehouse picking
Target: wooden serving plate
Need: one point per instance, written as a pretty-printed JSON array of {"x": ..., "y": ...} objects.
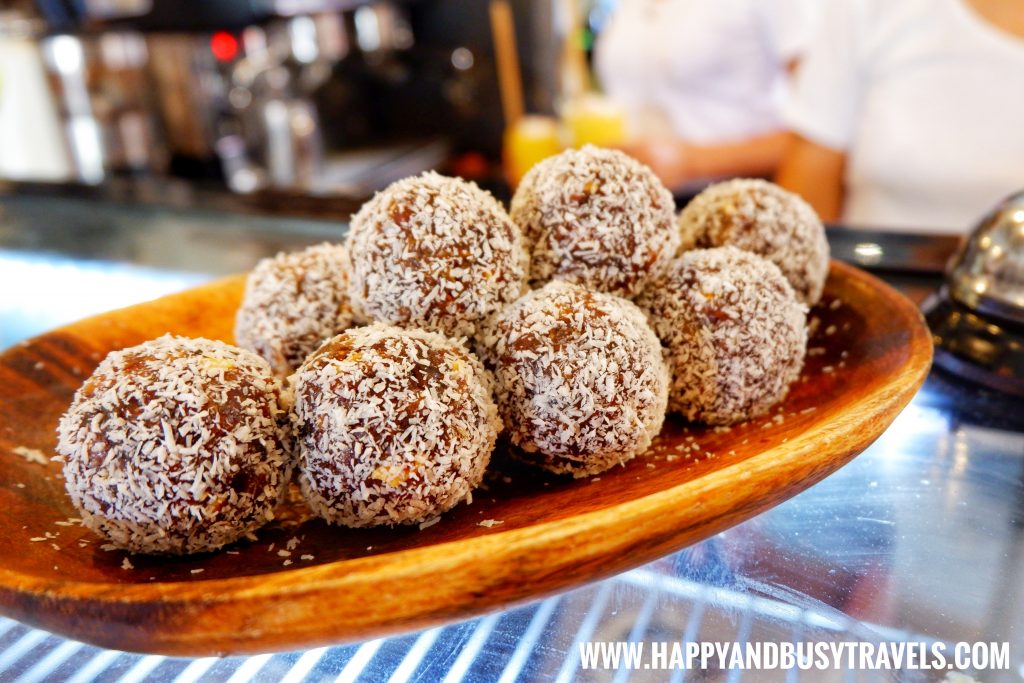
[{"x": 869, "y": 355}]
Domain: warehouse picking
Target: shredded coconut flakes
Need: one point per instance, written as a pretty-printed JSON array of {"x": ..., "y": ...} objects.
[
  {"x": 437, "y": 253},
  {"x": 581, "y": 383},
  {"x": 396, "y": 426},
  {"x": 759, "y": 216},
  {"x": 596, "y": 217},
  {"x": 33, "y": 455},
  {"x": 176, "y": 446},
  {"x": 292, "y": 303},
  {"x": 733, "y": 332}
]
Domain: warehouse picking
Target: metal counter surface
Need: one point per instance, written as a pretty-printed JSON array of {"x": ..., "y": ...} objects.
[{"x": 920, "y": 538}]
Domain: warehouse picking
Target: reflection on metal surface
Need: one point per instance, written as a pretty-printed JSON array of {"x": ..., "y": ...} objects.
[
  {"x": 906, "y": 253},
  {"x": 985, "y": 350},
  {"x": 869, "y": 252},
  {"x": 56, "y": 291},
  {"x": 642, "y": 605}
]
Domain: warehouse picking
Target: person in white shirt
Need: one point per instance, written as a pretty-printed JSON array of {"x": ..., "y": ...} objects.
[
  {"x": 703, "y": 81},
  {"x": 909, "y": 114}
]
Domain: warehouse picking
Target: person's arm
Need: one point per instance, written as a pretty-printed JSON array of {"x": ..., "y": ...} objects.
[
  {"x": 677, "y": 162},
  {"x": 814, "y": 172}
]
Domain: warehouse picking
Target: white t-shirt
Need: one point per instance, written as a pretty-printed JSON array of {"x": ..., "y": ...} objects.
[
  {"x": 715, "y": 69},
  {"x": 927, "y": 100}
]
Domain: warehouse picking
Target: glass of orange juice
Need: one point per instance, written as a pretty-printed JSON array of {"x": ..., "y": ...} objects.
[
  {"x": 594, "y": 119},
  {"x": 531, "y": 139}
]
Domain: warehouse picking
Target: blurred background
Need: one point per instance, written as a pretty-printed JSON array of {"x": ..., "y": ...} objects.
[
  {"x": 898, "y": 115},
  {"x": 316, "y": 97}
]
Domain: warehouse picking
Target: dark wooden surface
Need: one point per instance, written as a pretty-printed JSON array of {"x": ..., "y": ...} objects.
[{"x": 870, "y": 354}]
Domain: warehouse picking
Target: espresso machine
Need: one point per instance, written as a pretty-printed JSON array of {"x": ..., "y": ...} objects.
[
  {"x": 310, "y": 96},
  {"x": 210, "y": 91}
]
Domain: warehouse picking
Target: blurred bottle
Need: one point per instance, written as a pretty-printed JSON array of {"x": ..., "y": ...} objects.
[
  {"x": 594, "y": 119},
  {"x": 31, "y": 140},
  {"x": 529, "y": 140}
]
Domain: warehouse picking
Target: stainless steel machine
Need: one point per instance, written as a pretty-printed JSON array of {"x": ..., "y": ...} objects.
[
  {"x": 312, "y": 96},
  {"x": 978, "y": 316}
]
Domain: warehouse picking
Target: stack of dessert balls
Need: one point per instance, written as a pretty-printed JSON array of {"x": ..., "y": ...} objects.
[{"x": 384, "y": 370}]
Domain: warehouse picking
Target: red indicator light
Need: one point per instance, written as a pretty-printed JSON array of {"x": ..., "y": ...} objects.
[{"x": 224, "y": 46}]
